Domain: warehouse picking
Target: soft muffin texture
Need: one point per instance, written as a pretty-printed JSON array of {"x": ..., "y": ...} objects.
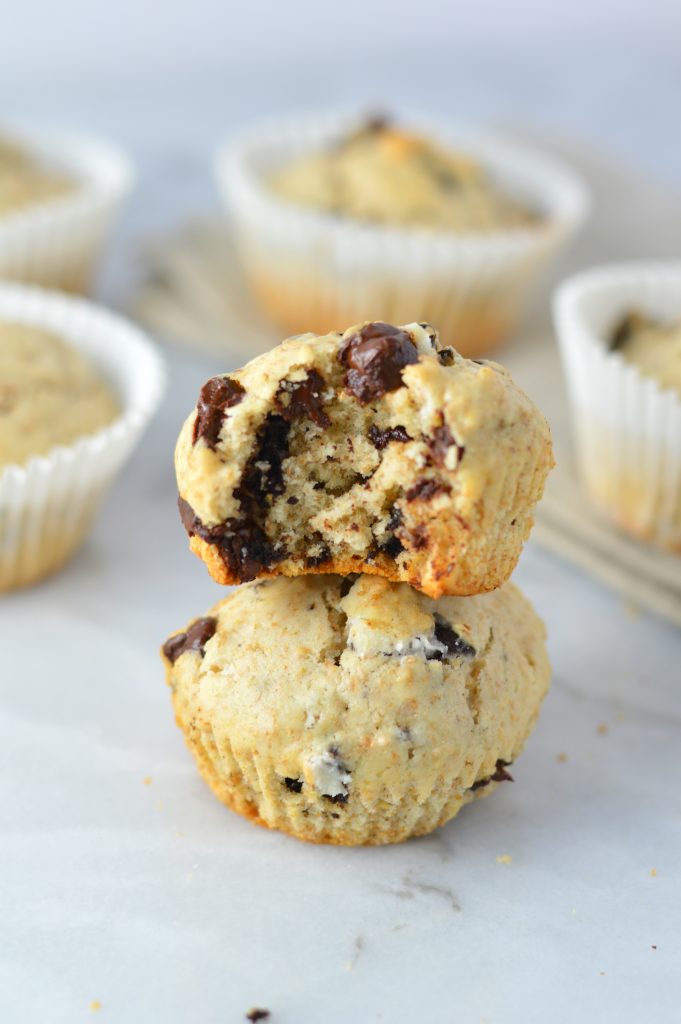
[
  {"x": 49, "y": 394},
  {"x": 374, "y": 451},
  {"x": 654, "y": 347},
  {"x": 356, "y": 711},
  {"x": 24, "y": 180},
  {"x": 385, "y": 175}
]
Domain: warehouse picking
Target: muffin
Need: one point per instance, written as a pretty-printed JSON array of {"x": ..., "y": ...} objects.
[
  {"x": 619, "y": 330},
  {"x": 77, "y": 386},
  {"x": 49, "y": 394},
  {"x": 377, "y": 450},
  {"x": 339, "y": 222},
  {"x": 59, "y": 197},
  {"x": 25, "y": 181},
  {"x": 356, "y": 711}
]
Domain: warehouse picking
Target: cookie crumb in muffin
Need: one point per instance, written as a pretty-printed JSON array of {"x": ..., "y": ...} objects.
[{"x": 331, "y": 775}]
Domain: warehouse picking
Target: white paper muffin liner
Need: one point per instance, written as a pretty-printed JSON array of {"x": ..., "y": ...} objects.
[
  {"x": 56, "y": 243},
  {"x": 313, "y": 271},
  {"x": 47, "y": 505},
  {"x": 627, "y": 429}
]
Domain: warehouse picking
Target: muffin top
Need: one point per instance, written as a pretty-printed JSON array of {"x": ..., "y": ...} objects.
[
  {"x": 384, "y": 175},
  {"x": 49, "y": 394},
  {"x": 653, "y": 346},
  {"x": 24, "y": 180}
]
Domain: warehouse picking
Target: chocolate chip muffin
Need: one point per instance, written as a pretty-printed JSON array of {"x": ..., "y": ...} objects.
[
  {"x": 653, "y": 346},
  {"x": 24, "y": 180},
  {"x": 383, "y": 174},
  {"x": 375, "y": 451},
  {"x": 356, "y": 711},
  {"x": 49, "y": 394}
]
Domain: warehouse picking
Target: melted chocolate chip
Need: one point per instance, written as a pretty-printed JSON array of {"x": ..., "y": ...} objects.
[
  {"x": 425, "y": 489},
  {"x": 456, "y": 646},
  {"x": 304, "y": 399},
  {"x": 294, "y": 785},
  {"x": 322, "y": 556},
  {"x": 392, "y": 545},
  {"x": 499, "y": 775},
  {"x": 440, "y": 441},
  {"x": 375, "y": 358},
  {"x": 382, "y": 438},
  {"x": 195, "y": 639},
  {"x": 242, "y": 543},
  {"x": 216, "y": 396},
  {"x": 292, "y": 500},
  {"x": 263, "y": 474},
  {"x": 446, "y": 356}
]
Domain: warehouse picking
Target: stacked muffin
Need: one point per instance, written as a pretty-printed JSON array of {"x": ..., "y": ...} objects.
[{"x": 369, "y": 489}]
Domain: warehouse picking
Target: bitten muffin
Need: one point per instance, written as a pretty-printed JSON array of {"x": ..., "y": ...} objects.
[
  {"x": 356, "y": 711},
  {"x": 25, "y": 181},
  {"x": 653, "y": 346},
  {"x": 383, "y": 174},
  {"x": 49, "y": 394},
  {"x": 374, "y": 451}
]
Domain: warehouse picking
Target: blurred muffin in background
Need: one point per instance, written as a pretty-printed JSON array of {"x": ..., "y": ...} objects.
[
  {"x": 25, "y": 180},
  {"x": 619, "y": 331},
  {"x": 77, "y": 386},
  {"x": 339, "y": 221},
  {"x": 49, "y": 394},
  {"x": 59, "y": 197}
]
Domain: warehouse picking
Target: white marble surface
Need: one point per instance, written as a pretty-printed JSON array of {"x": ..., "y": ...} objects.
[{"x": 152, "y": 900}]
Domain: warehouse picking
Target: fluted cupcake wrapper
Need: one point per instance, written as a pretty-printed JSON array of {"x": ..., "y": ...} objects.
[
  {"x": 627, "y": 429},
  {"x": 48, "y": 504},
  {"x": 56, "y": 243},
  {"x": 314, "y": 271}
]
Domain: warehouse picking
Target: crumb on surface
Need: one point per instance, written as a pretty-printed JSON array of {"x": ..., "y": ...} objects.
[
  {"x": 256, "y": 1013},
  {"x": 504, "y": 858},
  {"x": 653, "y": 872},
  {"x": 602, "y": 729},
  {"x": 619, "y": 716},
  {"x": 602, "y": 974},
  {"x": 561, "y": 758},
  {"x": 653, "y": 947},
  {"x": 95, "y": 1005},
  {"x": 147, "y": 780}
]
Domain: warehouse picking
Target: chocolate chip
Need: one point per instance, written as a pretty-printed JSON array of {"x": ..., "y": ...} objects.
[
  {"x": 323, "y": 555},
  {"x": 382, "y": 438},
  {"x": 263, "y": 474},
  {"x": 319, "y": 486},
  {"x": 216, "y": 396},
  {"x": 242, "y": 543},
  {"x": 392, "y": 545},
  {"x": 456, "y": 646},
  {"x": 425, "y": 489},
  {"x": 375, "y": 357},
  {"x": 304, "y": 399},
  {"x": 339, "y": 798},
  {"x": 257, "y": 1014},
  {"x": 195, "y": 639},
  {"x": 499, "y": 775},
  {"x": 292, "y": 500},
  {"x": 294, "y": 785},
  {"x": 446, "y": 356},
  {"x": 440, "y": 441}
]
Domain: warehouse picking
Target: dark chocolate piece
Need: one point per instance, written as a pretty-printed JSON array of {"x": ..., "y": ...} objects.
[
  {"x": 456, "y": 646},
  {"x": 375, "y": 358},
  {"x": 304, "y": 399},
  {"x": 243, "y": 544},
  {"x": 499, "y": 775},
  {"x": 446, "y": 356},
  {"x": 440, "y": 441},
  {"x": 195, "y": 639},
  {"x": 263, "y": 474},
  {"x": 295, "y": 785},
  {"x": 382, "y": 438},
  {"x": 216, "y": 396},
  {"x": 425, "y": 489},
  {"x": 339, "y": 798}
]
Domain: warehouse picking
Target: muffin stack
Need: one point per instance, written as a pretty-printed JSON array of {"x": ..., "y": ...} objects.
[{"x": 369, "y": 489}]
